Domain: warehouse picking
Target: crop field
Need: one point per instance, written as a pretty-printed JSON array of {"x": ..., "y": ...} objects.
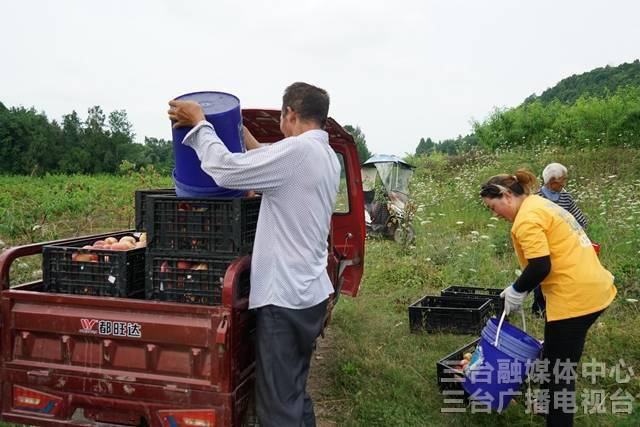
[{"x": 378, "y": 372}]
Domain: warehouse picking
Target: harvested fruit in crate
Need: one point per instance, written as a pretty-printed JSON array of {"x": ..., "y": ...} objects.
[
  {"x": 111, "y": 266},
  {"x": 450, "y": 369},
  {"x": 202, "y": 227},
  {"x": 79, "y": 257},
  {"x": 125, "y": 243},
  {"x": 191, "y": 280}
]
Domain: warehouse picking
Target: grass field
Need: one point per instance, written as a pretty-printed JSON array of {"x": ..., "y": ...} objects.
[
  {"x": 380, "y": 374},
  {"x": 385, "y": 375}
]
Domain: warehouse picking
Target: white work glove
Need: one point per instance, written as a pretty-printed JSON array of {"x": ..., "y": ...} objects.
[{"x": 512, "y": 299}]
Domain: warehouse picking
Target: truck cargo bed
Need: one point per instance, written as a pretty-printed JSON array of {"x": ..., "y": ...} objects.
[{"x": 123, "y": 361}]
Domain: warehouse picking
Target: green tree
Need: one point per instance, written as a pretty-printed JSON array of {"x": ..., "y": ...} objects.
[
  {"x": 589, "y": 121},
  {"x": 76, "y": 156},
  {"x": 361, "y": 142},
  {"x": 159, "y": 153},
  {"x": 448, "y": 146},
  {"x": 97, "y": 142},
  {"x": 27, "y": 141},
  {"x": 121, "y": 139},
  {"x": 425, "y": 147},
  {"x": 31, "y": 144},
  {"x": 599, "y": 82}
]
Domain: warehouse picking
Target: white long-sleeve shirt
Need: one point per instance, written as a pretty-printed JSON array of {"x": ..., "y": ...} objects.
[{"x": 298, "y": 177}]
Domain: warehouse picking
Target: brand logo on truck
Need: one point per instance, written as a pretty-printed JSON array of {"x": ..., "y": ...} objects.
[
  {"x": 88, "y": 324},
  {"x": 110, "y": 327}
]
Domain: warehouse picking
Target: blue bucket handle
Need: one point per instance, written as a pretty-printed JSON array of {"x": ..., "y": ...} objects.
[{"x": 524, "y": 326}]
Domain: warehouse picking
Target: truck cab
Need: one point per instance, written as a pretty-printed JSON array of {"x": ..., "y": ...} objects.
[{"x": 92, "y": 360}]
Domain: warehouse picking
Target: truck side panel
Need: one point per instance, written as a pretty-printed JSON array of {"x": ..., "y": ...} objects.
[{"x": 121, "y": 360}]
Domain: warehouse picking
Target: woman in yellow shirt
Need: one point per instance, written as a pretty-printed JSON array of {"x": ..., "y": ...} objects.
[{"x": 555, "y": 253}]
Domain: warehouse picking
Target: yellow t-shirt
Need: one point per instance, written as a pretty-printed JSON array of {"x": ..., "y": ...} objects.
[{"x": 577, "y": 284}]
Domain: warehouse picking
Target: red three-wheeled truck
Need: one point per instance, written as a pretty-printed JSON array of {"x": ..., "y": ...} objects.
[{"x": 74, "y": 359}]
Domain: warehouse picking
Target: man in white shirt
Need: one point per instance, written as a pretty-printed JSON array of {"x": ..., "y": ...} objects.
[{"x": 298, "y": 178}]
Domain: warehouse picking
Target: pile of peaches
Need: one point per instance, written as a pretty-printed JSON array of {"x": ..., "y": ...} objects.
[{"x": 125, "y": 243}]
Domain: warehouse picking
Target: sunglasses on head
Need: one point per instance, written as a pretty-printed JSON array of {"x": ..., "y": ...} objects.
[{"x": 492, "y": 190}]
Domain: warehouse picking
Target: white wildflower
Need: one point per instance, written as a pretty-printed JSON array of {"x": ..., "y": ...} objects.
[{"x": 459, "y": 222}]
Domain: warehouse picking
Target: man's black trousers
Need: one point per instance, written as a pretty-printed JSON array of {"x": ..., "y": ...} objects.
[{"x": 285, "y": 340}]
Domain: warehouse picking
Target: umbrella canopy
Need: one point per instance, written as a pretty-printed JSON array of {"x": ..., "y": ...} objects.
[
  {"x": 386, "y": 158},
  {"x": 394, "y": 173}
]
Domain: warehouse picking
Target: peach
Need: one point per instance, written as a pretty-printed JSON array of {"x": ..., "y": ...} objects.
[
  {"x": 164, "y": 267},
  {"x": 120, "y": 247},
  {"x": 184, "y": 265},
  {"x": 128, "y": 239},
  {"x": 83, "y": 257},
  {"x": 111, "y": 240}
]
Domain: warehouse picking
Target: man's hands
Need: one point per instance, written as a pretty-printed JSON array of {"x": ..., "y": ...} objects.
[
  {"x": 185, "y": 113},
  {"x": 250, "y": 142},
  {"x": 512, "y": 299}
]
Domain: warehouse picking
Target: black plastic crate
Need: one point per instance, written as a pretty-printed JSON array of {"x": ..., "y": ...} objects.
[
  {"x": 449, "y": 377},
  {"x": 141, "y": 204},
  {"x": 189, "y": 280},
  {"x": 103, "y": 272},
  {"x": 497, "y": 303},
  {"x": 449, "y": 314},
  {"x": 202, "y": 227}
]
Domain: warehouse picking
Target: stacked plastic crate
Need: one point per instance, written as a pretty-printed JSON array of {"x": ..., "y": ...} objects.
[
  {"x": 191, "y": 242},
  {"x": 90, "y": 267},
  {"x": 458, "y": 310}
]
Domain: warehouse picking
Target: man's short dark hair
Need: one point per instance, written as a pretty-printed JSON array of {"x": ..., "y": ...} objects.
[{"x": 310, "y": 102}]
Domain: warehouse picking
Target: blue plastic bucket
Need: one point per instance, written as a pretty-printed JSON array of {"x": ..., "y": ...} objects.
[
  {"x": 496, "y": 372},
  {"x": 222, "y": 110}
]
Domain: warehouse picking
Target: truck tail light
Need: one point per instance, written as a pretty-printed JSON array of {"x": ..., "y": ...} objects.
[
  {"x": 188, "y": 417},
  {"x": 25, "y": 399}
]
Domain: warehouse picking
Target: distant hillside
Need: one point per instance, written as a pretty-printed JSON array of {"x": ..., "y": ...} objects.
[{"x": 597, "y": 82}]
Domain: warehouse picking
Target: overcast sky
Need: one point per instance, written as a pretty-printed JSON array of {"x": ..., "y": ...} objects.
[{"x": 401, "y": 70}]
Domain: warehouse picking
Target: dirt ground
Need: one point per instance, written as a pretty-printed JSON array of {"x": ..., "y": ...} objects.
[{"x": 319, "y": 381}]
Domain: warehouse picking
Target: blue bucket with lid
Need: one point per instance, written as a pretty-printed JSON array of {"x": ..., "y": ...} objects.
[
  {"x": 222, "y": 110},
  {"x": 500, "y": 364}
]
